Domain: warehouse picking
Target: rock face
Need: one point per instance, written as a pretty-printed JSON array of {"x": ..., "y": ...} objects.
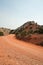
[
  {"x": 4, "y": 31},
  {"x": 30, "y": 32}
]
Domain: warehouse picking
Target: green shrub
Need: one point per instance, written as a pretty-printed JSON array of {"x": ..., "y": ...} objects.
[
  {"x": 40, "y": 31},
  {"x": 30, "y": 31},
  {"x": 12, "y": 32},
  {"x": 23, "y": 33},
  {"x": 1, "y": 34},
  {"x": 41, "y": 43},
  {"x": 36, "y": 31}
]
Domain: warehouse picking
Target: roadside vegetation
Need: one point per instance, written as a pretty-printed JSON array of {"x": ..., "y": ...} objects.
[
  {"x": 29, "y": 29},
  {"x": 1, "y": 34}
]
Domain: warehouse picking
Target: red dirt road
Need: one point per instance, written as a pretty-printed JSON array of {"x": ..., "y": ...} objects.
[{"x": 16, "y": 52}]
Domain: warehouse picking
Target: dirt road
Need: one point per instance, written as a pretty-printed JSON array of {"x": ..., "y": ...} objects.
[{"x": 16, "y": 52}]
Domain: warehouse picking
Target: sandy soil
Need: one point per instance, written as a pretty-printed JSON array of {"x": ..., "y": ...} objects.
[{"x": 16, "y": 52}]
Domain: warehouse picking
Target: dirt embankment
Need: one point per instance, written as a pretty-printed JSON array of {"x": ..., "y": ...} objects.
[{"x": 16, "y": 52}]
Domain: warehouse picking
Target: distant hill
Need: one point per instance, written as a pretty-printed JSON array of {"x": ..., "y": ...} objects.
[
  {"x": 30, "y": 32},
  {"x": 4, "y": 31}
]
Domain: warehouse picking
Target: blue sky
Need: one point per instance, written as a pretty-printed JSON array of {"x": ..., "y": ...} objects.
[{"x": 13, "y": 13}]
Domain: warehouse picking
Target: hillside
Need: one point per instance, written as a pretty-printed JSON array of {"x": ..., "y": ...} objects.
[
  {"x": 30, "y": 32},
  {"x": 4, "y": 31}
]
